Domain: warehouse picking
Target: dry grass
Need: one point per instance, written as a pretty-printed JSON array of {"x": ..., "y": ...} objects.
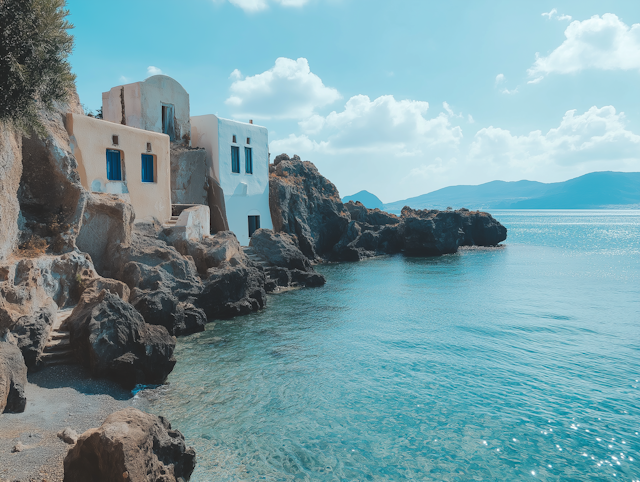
[{"x": 34, "y": 247}]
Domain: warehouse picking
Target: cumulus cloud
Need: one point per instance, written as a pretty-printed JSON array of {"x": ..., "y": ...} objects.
[
  {"x": 398, "y": 127},
  {"x": 151, "y": 70},
  {"x": 554, "y": 13},
  {"x": 259, "y": 5},
  {"x": 289, "y": 90},
  {"x": 604, "y": 43},
  {"x": 499, "y": 79},
  {"x": 250, "y": 5},
  {"x": 596, "y": 135},
  {"x": 235, "y": 75}
]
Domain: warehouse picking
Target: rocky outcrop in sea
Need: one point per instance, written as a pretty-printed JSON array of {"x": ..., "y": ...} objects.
[{"x": 307, "y": 206}]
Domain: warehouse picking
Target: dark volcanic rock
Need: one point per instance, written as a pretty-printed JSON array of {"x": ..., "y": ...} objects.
[
  {"x": 232, "y": 292},
  {"x": 32, "y": 332},
  {"x": 433, "y": 232},
  {"x": 112, "y": 340},
  {"x": 375, "y": 217},
  {"x": 130, "y": 446},
  {"x": 279, "y": 249},
  {"x": 306, "y": 205},
  {"x": 13, "y": 379}
]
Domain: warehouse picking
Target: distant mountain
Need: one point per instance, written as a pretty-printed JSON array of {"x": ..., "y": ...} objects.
[
  {"x": 370, "y": 201},
  {"x": 597, "y": 190}
]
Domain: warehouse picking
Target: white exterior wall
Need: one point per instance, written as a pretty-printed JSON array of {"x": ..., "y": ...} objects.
[{"x": 244, "y": 194}]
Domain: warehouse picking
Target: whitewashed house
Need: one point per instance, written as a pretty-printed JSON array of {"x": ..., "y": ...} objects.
[{"x": 238, "y": 159}]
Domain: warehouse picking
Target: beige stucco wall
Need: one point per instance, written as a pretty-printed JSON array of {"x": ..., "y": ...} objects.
[
  {"x": 90, "y": 139},
  {"x": 204, "y": 133},
  {"x": 143, "y": 104}
]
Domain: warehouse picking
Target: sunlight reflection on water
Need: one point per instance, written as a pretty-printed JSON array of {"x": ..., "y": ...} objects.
[{"x": 509, "y": 364}]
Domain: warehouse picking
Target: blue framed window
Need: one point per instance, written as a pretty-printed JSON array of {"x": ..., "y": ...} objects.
[
  {"x": 235, "y": 159},
  {"x": 147, "y": 168},
  {"x": 114, "y": 165},
  {"x": 248, "y": 160}
]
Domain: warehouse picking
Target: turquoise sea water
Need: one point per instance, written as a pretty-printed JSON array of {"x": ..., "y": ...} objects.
[{"x": 508, "y": 364}]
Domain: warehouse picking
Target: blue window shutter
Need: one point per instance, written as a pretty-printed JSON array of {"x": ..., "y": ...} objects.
[
  {"x": 114, "y": 169},
  {"x": 147, "y": 168},
  {"x": 235, "y": 159},
  {"x": 248, "y": 160}
]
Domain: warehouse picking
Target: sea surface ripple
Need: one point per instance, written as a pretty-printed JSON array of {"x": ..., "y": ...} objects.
[{"x": 515, "y": 363}]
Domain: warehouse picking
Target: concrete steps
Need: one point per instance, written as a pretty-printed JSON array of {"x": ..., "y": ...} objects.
[
  {"x": 255, "y": 257},
  {"x": 172, "y": 221},
  {"x": 58, "y": 349}
]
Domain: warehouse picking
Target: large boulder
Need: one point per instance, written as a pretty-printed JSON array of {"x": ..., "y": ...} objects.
[
  {"x": 130, "y": 446},
  {"x": 306, "y": 205},
  {"x": 31, "y": 333},
  {"x": 13, "y": 379},
  {"x": 279, "y": 249},
  {"x": 433, "y": 232},
  {"x": 105, "y": 225},
  {"x": 112, "y": 340},
  {"x": 232, "y": 291}
]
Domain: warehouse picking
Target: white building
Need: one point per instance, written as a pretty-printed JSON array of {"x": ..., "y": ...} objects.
[
  {"x": 238, "y": 158},
  {"x": 158, "y": 104}
]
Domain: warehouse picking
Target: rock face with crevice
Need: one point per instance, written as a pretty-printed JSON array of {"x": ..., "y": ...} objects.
[
  {"x": 306, "y": 205},
  {"x": 10, "y": 174},
  {"x": 130, "y": 446},
  {"x": 13, "y": 379}
]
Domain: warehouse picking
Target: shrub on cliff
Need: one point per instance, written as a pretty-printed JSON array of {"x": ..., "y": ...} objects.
[{"x": 34, "y": 47}]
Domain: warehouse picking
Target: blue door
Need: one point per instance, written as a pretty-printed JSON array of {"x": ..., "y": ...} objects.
[
  {"x": 114, "y": 165},
  {"x": 147, "y": 168}
]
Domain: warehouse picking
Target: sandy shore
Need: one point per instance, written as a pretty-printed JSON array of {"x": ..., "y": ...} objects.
[{"x": 57, "y": 397}]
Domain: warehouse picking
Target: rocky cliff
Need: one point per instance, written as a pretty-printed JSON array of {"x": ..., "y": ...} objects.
[{"x": 307, "y": 206}]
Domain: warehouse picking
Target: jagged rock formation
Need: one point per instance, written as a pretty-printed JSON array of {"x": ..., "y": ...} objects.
[
  {"x": 130, "y": 446},
  {"x": 286, "y": 265},
  {"x": 307, "y": 206},
  {"x": 113, "y": 341},
  {"x": 433, "y": 232},
  {"x": 13, "y": 379}
]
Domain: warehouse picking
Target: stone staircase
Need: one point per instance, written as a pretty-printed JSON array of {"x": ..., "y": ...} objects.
[
  {"x": 172, "y": 221},
  {"x": 58, "y": 349},
  {"x": 255, "y": 257}
]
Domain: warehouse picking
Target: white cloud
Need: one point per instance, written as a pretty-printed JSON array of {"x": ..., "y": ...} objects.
[
  {"x": 398, "y": 128},
  {"x": 236, "y": 75},
  {"x": 470, "y": 119},
  {"x": 151, "y": 70},
  {"x": 554, "y": 12},
  {"x": 536, "y": 80},
  {"x": 509, "y": 92},
  {"x": 499, "y": 79},
  {"x": 252, "y": 6},
  {"x": 289, "y": 90},
  {"x": 598, "y": 135},
  {"x": 604, "y": 43}
]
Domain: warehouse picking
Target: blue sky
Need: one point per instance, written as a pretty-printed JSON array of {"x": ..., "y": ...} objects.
[{"x": 398, "y": 98}]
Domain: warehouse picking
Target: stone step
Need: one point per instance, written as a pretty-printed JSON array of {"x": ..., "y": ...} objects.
[
  {"x": 62, "y": 344},
  {"x": 58, "y": 357},
  {"x": 59, "y": 335}
]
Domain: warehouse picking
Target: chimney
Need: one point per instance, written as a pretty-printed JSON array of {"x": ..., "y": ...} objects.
[{"x": 250, "y": 121}]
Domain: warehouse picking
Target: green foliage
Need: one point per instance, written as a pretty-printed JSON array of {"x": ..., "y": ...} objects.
[{"x": 34, "y": 47}]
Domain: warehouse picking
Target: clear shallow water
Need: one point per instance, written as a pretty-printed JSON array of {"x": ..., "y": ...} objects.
[{"x": 519, "y": 363}]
